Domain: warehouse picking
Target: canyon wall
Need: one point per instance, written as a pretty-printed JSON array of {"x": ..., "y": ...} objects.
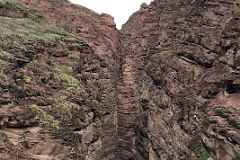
[
  {"x": 165, "y": 87},
  {"x": 186, "y": 56}
]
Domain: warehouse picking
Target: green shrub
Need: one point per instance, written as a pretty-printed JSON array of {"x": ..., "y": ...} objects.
[
  {"x": 6, "y": 56},
  {"x": 3, "y": 75},
  {"x": 64, "y": 74},
  {"x": 73, "y": 56},
  {"x": 27, "y": 79},
  {"x": 65, "y": 108},
  {"x": 67, "y": 80},
  {"x": 204, "y": 156},
  {"x": 45, "y": 118}
]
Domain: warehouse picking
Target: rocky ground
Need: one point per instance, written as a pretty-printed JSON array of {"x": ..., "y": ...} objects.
[{"x": 165, "y": 87}]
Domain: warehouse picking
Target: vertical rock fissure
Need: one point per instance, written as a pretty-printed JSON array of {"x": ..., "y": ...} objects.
[{"x": 127, "y": 109}]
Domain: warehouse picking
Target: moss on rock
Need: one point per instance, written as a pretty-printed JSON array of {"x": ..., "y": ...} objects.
[
  {"x": 19, "y": 31},
  {"x": 12, "y": 3},
  {"x": 45, "y": 118}
]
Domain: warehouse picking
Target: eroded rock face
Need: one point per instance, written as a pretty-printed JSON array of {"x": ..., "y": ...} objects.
[
  {"x": 57, "y": 89},
  {"x": 187, "y": 78},
  {"x": 164, "y": 87}
]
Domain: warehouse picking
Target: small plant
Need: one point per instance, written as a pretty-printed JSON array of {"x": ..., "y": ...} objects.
[
  {"x": 73, "y": 56},
  {"x": 67, "y": 80},
  {"x": 65, "y": 108},
  {"x": 6, "y": 56},
  {"x": 3, "y": 76},
  {"x": 4, "y": 138},
  {"x": 62, "y": 108},
  {"x": 204, "y": 156},
  {"x": 51, "y": 63},
  {"x": 12, "y": 3},
  {"x": 45, "y": 118},
  {"x": 63, "y": 74},
  {"x": 27, "y": 79},
  {"x": 75, "y": 46}
]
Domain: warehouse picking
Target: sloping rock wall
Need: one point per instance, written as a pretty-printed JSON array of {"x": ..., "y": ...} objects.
[
  {"x": 165, "y": 87},
  {"x": 187, "y": 77}
]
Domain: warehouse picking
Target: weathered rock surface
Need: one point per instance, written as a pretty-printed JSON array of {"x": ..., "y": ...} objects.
[
  {"x": 165, "y": 87},
  {"x": 187, "y": 74}
]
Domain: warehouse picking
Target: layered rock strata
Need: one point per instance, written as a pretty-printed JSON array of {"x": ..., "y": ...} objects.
[{"x": 165, "y": 87}]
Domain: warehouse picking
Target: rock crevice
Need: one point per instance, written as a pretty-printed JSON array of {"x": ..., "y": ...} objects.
[{"x": 164, "y": 87}]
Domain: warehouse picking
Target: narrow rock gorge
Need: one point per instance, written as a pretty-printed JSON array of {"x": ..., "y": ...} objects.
[{"x": 164, "y": 87}]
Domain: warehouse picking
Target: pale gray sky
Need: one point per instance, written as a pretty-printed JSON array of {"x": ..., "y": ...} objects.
[{"x": 121, "y": 10}]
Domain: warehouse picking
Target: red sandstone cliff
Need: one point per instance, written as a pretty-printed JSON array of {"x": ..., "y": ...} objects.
[{"x": 165, "y": 87}]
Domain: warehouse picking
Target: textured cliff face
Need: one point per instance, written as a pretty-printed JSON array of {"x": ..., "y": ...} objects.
[
  {"x": 164, "y": 87},
  {"x": 58, "y": 78},
  {"x": 186, "y": 69}
]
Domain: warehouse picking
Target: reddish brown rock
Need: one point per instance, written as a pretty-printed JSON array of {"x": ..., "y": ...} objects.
[{"x": 165, "y": 87}]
